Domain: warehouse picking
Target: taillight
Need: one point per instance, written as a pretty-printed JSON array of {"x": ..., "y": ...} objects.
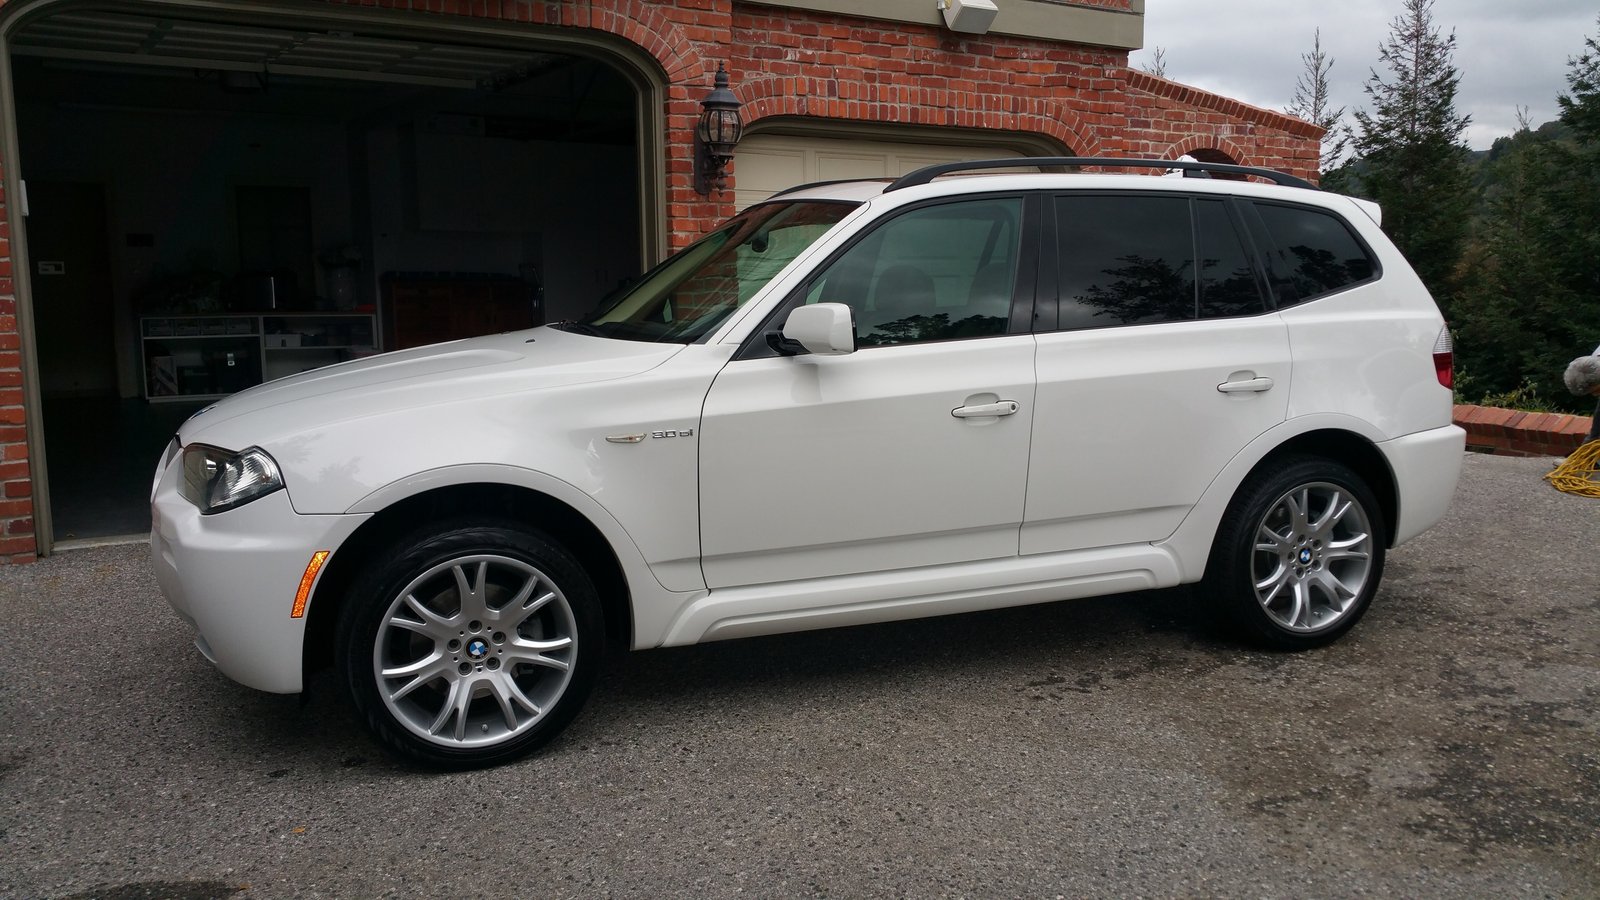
[{"x": 1444, "y": 359}]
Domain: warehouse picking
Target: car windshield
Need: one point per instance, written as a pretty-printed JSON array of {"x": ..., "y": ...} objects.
[{"x": 692, "y": 292}]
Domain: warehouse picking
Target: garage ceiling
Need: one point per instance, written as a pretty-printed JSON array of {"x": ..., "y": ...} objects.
[
  {"x": 119, "y": 38},
  {"x": 117, "y": 60}
]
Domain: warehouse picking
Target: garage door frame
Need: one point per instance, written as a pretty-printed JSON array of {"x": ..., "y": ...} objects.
[
  {"x": 1027, "y": 143},
  {"x": 633, "y": 62}
]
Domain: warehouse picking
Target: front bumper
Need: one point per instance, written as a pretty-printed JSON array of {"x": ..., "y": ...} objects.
[
  {"x": 233, "y": 576},
  {"x": 1426, "y": 466}
]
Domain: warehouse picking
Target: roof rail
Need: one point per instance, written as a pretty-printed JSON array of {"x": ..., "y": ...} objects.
[
  {"x": 1190, "y": 169},
  {"x": 831, "y": 181}
]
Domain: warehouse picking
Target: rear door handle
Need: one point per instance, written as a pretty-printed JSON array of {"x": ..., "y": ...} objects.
[
  {"x": 985, "y": 410},
  {"x": 1249, "y": 385}
]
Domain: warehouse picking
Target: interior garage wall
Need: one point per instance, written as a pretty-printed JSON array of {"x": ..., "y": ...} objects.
[
  {"x": 462, "y": 203},
  {"x": 171, "y": 177}
]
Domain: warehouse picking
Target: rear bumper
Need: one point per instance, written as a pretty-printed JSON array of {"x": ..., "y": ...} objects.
[
  {"x": 1426, "y": 466},
  {"x": 233, "y": 577}
]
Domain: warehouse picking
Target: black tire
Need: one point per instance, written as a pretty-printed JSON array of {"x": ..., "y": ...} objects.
[
  {"x": 1305, "y": 565},
  {"x": 480, "y": 635}
]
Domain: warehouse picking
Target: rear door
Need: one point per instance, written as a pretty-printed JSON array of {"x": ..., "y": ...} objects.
[{"x": 1158, "y": 361}]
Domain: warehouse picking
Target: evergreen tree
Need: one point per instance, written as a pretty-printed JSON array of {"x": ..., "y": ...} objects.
[
  {"x": 1576, "y": 205},
  {"x": 1415, "y": 163},
  {"x": 1531, "y": 281},
  {"x": 1580, "y": 110},
  {"x": 1313, "y": 102}
]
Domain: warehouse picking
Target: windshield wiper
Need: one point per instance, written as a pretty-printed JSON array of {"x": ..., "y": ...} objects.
[{"x": 578, "y": 328}]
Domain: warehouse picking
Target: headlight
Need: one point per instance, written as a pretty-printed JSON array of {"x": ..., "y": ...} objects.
[{"x": 215, "y": 480}]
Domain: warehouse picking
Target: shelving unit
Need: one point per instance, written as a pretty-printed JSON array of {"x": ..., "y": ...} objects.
[{"x": 205, "y": 357}]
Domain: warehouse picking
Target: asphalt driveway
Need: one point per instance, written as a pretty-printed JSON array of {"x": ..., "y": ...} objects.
[{"x": 1449, "y": 746}]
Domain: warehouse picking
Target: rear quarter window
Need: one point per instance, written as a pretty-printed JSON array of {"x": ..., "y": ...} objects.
[{"x": 1309, "y": 253}]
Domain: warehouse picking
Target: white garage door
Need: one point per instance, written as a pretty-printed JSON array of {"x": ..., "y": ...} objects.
[{"x": 768, "y": 163}]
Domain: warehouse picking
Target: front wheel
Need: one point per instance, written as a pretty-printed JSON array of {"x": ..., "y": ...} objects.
[
  {"x": 1298, "y": 555},
  {"x": 470, "y": 645}
]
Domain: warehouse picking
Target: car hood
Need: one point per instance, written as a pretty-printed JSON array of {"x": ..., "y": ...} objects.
[{"x": 515, "y": 362}]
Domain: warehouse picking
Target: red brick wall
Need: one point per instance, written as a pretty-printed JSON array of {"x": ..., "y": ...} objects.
[
  {"x": 1512, "y": 432},
  {"x": 787, "y": 62},
  {"x": 16, "y": 490},
  {"x": 1170, "y": 119}
]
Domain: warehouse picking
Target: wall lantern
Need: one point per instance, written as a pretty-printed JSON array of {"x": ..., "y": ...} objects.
[
  {"x": 716, "y": 135},
  {"x": 968, "y": 16}
]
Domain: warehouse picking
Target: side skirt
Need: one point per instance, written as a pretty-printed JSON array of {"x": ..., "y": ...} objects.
[{"x": 915, "y": 593}]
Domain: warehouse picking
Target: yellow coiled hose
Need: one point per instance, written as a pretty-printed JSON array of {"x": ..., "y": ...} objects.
[{"x": 1577, "y": 474}]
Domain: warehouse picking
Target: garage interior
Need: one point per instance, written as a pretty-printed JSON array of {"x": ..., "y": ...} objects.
[{"x": 211, "y": 204}]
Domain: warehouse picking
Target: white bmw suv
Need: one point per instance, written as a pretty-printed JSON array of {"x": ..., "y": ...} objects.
[{"x": 854, "y": 402}]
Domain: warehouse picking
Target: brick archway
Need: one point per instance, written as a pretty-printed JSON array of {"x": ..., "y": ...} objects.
[
  {"x": 1210, "y": 148},
  {"x": 771, "y": 96},
  {"x": 642, "y": 24}
]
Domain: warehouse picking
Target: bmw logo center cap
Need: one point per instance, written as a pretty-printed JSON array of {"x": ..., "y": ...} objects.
[
  {"x": 477, "y": 649},
  {"x": 1305, "y": 555}
]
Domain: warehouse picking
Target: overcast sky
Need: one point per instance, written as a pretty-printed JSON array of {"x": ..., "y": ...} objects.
[{"x": 1509, "y": 52}]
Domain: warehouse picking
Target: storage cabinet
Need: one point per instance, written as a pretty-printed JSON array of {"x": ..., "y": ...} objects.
[
  {"x": 427, "y": 309},
  {"x": 205, "y": 357}
]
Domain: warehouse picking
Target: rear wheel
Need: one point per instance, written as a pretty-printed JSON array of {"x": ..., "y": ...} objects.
[
  {"x": 1299, "y": 554},
  {"x": 471, "y": 645}
]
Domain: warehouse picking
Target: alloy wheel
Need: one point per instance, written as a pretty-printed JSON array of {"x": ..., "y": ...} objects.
[
  {"x": 1313, "y": 556},
  {"x": 475, "y": 651}
]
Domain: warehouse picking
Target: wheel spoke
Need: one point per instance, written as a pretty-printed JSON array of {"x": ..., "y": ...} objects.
[
  {"x": 447, "y": 707},
  {"x": 521, "y": 699},
  {"x": 1270, "y": 541},
  {"x": 1355, "y": 548},
  {"x": 463, "y": 701},
  {"x": 1300, "y": 607},
  {"x": 471, "y": 591},
  {"x": 1276, "y": 581},
  {"x": 532, "y": 652},
  {"x": 1337, "y": 507},
  {"x": 413, "y": 668},
  {"x": 499, "y": 688},
  {"x": 427, "y": 622},
  {"x": 422, "y": 677},
  {"x": 1299, "y": 512},
  {"x": 523, "y": 593},
  {"x": 1337, "y": 591},
  {"x": 524, "y": 609}
]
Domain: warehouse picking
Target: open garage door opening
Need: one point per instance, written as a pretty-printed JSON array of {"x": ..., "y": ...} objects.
[{"x": 213, "y": 204}]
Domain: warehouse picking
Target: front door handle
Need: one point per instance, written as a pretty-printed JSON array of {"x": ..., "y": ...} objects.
[
  {"x": 1249, "y": 385},
  {"x": 986, "y": 410}
]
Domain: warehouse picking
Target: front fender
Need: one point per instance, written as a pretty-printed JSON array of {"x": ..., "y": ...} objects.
[{"x": 655, "y": 605}]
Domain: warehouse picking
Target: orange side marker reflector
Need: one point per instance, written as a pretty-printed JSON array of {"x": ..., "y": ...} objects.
[{"x": 306, "y": 580}]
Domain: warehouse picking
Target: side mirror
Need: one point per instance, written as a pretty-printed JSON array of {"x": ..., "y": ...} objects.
[{"x": 825, "y": 329}]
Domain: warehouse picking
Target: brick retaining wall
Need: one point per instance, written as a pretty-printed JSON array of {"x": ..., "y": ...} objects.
[{"x": 1511, "y": 432}]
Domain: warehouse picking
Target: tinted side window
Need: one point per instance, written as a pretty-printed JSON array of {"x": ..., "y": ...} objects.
[
  {"x": 1228, "y": 285},
  {"x": 934, "y": 273},
  {"x": 1311, "y": 253},
  {"x": 1124, "y": 260}
]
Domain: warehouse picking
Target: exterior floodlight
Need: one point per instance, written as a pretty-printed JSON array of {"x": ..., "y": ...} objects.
[{"x": 968, "y": 16}]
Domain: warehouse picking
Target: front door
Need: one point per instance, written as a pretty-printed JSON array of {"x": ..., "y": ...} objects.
[{"x": 913, "y": 450}]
